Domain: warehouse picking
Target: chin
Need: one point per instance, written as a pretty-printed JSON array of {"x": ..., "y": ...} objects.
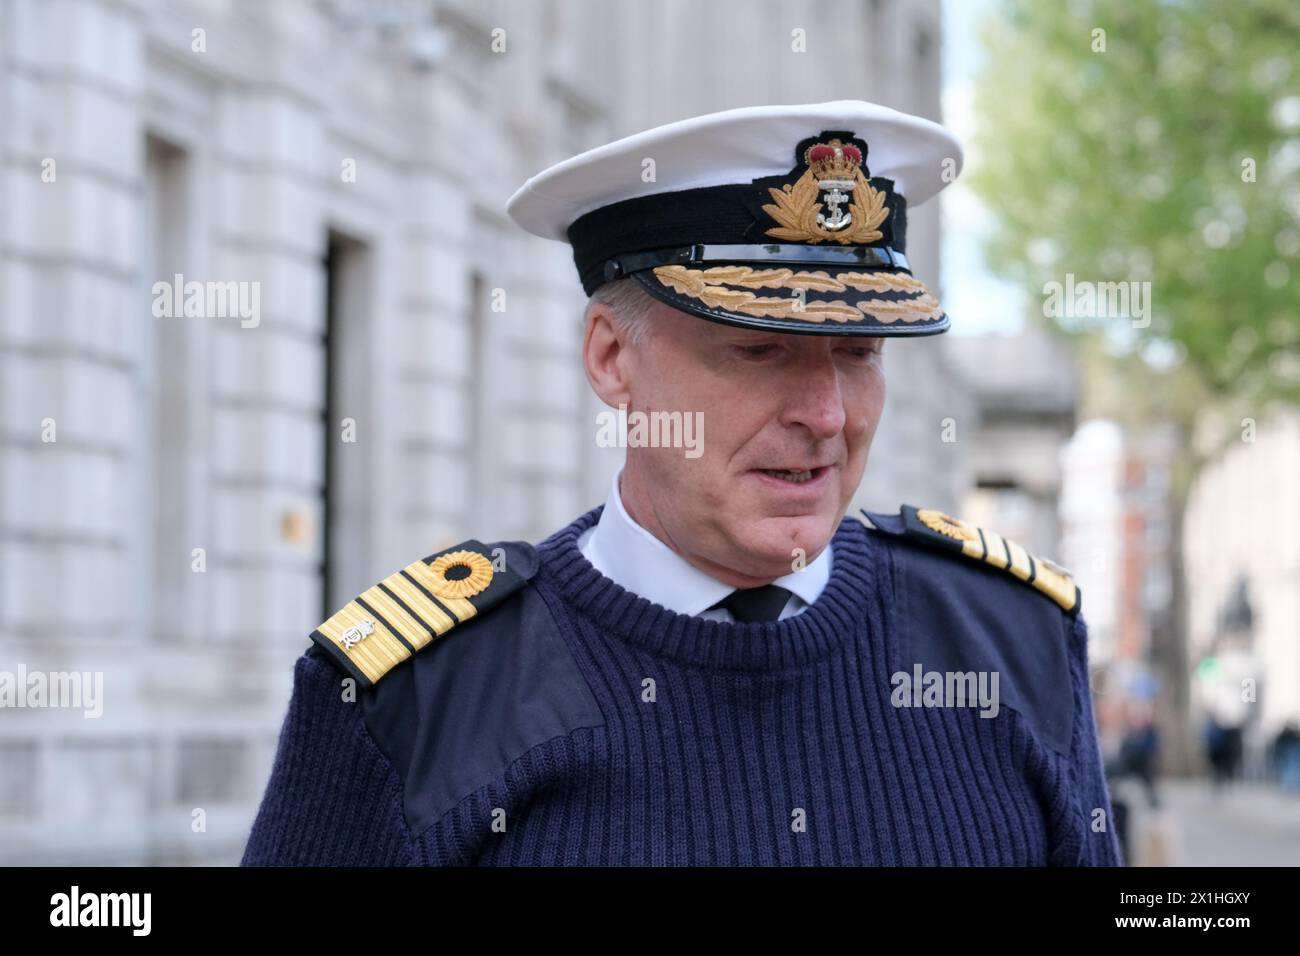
[{"x": 773, "y": 540}]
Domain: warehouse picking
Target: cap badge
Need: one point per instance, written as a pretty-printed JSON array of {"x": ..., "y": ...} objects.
[{"x": 811, "y": 210}]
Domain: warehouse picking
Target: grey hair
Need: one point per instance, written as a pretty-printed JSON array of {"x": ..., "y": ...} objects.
[{"x": 630, "y": 304}]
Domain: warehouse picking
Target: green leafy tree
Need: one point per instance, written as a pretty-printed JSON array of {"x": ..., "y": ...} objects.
[{"x": 1155, "y": 141}]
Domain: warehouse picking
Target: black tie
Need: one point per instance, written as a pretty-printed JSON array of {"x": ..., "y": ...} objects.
[{"x": 756, "y": 604}]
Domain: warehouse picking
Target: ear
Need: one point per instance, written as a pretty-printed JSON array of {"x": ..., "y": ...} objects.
[{"x": 606, "y": 356}]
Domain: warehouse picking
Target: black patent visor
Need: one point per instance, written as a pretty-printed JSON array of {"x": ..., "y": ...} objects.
[{"x": 880, "y": 257}]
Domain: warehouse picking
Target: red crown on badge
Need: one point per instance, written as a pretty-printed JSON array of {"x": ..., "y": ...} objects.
[{"x": 833, "y": 160}]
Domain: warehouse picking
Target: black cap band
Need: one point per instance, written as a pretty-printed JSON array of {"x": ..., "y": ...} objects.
[{"x": 713, "y": 216}]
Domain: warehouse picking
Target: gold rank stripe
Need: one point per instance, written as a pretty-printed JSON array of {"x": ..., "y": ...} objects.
[
  {"x": 1002, "y": 553},
  {"x": 413, "y": 631},
  {"x": 403, "y": 614},
  {"x": 426, "y": 610},
  {"x": 1057, "y": 586},
  {"x": 973, "y": 546},
  {"x": 1006, "y": 554},
  {"x": 1022, "y": 565},
  {"x": 996, "y": 549},
  {"x": 375, "y": 654},
  {"x": 405, "y": 617}
]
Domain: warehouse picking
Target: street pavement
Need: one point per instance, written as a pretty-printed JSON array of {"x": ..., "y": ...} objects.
[{"x": 1244, "y": 824}]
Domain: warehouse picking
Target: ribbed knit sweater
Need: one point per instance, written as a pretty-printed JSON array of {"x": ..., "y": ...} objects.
[{"x": 718, "y": 743}]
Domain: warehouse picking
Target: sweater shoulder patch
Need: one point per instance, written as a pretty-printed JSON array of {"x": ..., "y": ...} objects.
[
  {"x": 961, "y": 615},
  {"x": 953, "y": 535},
  {"x": 407, "y": 611},
  {"x": 459, "y": 715}
]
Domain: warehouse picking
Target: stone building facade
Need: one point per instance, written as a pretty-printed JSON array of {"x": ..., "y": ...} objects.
[
  {"x": 1022, "y": 411},
  {"x": 393, "y": 367}
]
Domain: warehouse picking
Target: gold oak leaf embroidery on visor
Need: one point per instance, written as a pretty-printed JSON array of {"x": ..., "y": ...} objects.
[
  {"x": 727, "y": 287},
  {"x": 922, "y": 308},
  {"x": 881, "y": 282},
  {"x": 751, "y": 278},
  {"x": 696, "y": 284}
]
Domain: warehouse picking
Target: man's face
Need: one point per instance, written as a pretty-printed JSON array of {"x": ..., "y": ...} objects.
[{"x": 788, "y": 422}]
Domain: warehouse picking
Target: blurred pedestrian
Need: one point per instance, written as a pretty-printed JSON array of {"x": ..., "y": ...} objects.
[
  {"x": 1140, "y": 749},
  {"x": 1223, "y": 749}
]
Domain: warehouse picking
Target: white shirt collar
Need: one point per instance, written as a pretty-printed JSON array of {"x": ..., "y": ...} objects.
[{"x": 632, "y": 557}]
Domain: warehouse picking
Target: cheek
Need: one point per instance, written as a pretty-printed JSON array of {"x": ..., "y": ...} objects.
[
  {"x": 668, "y": 377},
  {"x": 734, "y": 411},
  {"x": 864, "y": 407}
]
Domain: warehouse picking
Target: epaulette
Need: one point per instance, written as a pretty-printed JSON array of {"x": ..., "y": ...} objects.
[
  {"x": 406, "y": 611},
  {"x": 943, "y": 531}
]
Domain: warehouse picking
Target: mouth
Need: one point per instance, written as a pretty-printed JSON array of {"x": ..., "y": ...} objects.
[{"x": 795, "y": 476}]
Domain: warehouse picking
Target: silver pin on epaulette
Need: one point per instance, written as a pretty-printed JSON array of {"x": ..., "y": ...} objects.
[{"x": 353, "y": 635}]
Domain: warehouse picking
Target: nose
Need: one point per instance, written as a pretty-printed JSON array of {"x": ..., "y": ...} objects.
[{"x": 816, "y": 399}]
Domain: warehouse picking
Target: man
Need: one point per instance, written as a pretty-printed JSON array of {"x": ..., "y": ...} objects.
[{"x": 715, "y": 666}]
